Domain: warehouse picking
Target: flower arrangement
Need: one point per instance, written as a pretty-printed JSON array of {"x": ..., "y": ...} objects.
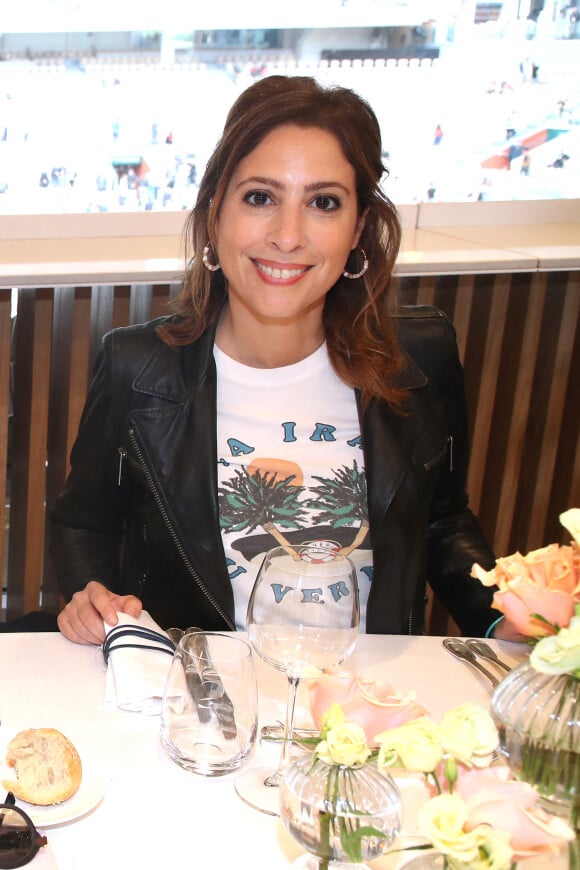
[
  {"x": 540, "y": 594},
  {"x": 476, "y": 816},
  {"x": 538, "y": 704}
]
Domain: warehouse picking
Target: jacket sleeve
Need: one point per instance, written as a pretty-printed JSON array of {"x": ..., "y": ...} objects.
[
  {"x": 87, "y": 519},
  {"x": 455, "y": 539}
]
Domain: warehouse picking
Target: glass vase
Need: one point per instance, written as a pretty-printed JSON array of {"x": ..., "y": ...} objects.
[
  {"x": 342, "y": 816},
  {"x": 538, "y": 719}
]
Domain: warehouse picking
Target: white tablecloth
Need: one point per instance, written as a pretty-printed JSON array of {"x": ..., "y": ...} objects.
[{"x": 154, "y": 814}]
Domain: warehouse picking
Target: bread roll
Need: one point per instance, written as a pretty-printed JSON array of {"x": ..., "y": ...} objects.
[{"x": 48, "y": 767}]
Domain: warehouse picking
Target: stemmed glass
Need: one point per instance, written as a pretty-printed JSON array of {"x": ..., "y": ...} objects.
[{"x": 303, "y": 613}]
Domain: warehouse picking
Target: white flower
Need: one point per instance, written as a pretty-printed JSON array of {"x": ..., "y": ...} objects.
[
  {"x": 570, "y": 519},
  {"x": 334, "y": 716},
  {"x": 468, "y": 734},
  {"x": 495, "y": 852},
  {"x": 344, "y": 744},
  {"x": 415, "y": 746},
  {"x": 559, "y": 653},
  {"x": 442, "y": 821}
]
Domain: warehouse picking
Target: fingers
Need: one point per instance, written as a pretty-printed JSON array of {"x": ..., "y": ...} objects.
[
  {"x": 82, "y": 619},
  {"x": 103, "y": 603},
  {"x": 79, "y": 621},
  {"x": 129, "y": 604}
]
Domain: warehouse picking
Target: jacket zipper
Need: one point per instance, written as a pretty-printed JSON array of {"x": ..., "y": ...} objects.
[
  {"x": 172, "y": 532},
  {"x": 122, "y": 454},
  {"x": 448, "y": 448}
]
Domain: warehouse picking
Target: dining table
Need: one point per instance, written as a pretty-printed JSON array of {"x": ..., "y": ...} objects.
[{"x": 141, "y": 810}]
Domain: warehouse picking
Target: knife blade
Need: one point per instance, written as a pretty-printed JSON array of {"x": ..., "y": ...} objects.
[
  {"x": 195, "y": 686},
  {"x": 210, "y": 693}
]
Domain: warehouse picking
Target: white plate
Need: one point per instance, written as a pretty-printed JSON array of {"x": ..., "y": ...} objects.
[{"x": 89, "y": 795}]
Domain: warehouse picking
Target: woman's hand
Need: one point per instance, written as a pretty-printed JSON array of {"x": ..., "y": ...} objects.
[{"x": 82, "y": 619}]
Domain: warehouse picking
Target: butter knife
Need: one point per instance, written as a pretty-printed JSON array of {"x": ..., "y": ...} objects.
[
  {"x": 205, "y": 684},
  {"x": 211, "y": 693}
]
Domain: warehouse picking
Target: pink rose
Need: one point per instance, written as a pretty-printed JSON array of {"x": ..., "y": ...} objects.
[
  {"x": 545, "y": 581},
  {"x": 372, "y": 704},
  {"x": 508, "y": 805}
]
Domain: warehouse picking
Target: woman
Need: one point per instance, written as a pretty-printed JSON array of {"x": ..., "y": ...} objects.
[{"x": 282, "y": 402}]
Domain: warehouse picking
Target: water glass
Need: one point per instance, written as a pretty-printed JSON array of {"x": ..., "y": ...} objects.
[{"x": 209, "y": 713}]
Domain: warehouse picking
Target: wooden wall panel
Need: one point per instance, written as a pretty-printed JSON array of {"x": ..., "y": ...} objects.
[{"x": 518, "y": 339}]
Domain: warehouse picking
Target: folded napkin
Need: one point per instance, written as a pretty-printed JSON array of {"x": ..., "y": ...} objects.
[{"x": 138, "y": 655}]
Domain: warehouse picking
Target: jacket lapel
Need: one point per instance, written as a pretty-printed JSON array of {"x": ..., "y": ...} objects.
[
  {"x": 176, "y": 430},
  {"x": 387, "y": 438}
]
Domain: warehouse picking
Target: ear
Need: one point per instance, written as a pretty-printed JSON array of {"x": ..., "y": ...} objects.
[{"x": 359, "y": 228}]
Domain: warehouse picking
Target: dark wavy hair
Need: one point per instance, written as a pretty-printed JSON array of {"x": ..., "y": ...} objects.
[{"x": 359, "y": 330}]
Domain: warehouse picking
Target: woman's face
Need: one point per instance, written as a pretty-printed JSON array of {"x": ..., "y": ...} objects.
[{"x": 287, "y": 223}]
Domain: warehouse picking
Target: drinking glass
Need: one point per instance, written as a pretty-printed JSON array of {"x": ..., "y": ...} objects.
[
  {"x": 303, "y": 613},
  {"x": 209, "y": 712}
]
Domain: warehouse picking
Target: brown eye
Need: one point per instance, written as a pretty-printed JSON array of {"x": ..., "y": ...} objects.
[
  {"x": 257, "y": 198},
  {"x": 325, "y": 202}
]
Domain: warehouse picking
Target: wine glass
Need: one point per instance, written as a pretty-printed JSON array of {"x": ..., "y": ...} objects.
[{"x": 303, "y": 613}]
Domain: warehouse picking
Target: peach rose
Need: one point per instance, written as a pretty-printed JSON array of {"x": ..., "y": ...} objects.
[
  {"x": 545, "y": 581},
  {"x": 492, "y": 798},
  {"x": 372, "y": 704}
]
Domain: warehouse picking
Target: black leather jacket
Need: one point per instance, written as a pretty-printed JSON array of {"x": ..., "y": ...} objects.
[{"x": 140, "y": 507}]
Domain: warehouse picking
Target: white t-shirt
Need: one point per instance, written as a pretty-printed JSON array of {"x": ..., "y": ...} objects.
[{"x": 290, "y": 467}]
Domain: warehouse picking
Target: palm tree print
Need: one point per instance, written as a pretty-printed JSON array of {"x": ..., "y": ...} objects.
[
  {"x": 342, "y": 501},
  {"x": 250, "y": 500}
]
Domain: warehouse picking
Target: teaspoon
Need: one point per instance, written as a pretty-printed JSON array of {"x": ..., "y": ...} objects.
[
  {"x": 460, "y": 650},
  {"x": 486, "y": 652}
]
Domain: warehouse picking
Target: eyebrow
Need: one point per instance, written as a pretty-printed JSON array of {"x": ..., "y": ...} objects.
[{"x": 277, "y": 185}]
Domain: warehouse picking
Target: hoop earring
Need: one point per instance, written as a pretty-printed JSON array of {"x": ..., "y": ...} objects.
[
  {"x": 206, "y": 262},
  {"x": 352, "y": 276}
]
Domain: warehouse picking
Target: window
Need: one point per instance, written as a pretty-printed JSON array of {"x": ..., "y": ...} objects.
[{"x": 480, "y": 102}]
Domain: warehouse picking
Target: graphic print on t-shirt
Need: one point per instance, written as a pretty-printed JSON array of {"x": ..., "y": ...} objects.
[
  {"x": 290, "y": 468},
  {"x": 260, "y": 497}
]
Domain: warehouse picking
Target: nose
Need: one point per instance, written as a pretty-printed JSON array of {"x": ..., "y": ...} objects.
[{"x": 287, "y": 232}]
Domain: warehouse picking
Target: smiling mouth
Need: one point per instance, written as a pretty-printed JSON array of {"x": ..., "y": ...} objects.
[{"x": 281, "y": 274}]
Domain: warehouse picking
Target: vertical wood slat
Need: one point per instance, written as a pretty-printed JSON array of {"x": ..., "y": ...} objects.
[
  {"x": 482, "y": 420},
  {"x": 102, "y": 302},
  {"x": 80, "y": 363},
  {"x": 520, "y": 409},
  {"x": 59, "y": 408},
  {"x": 463, "y": 303},
  {"x": 28, "y": 473},
  {"x": 5, "y": 414}
]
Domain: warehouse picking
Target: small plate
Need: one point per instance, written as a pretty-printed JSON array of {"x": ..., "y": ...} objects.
[{"x": 89, "y": 795}]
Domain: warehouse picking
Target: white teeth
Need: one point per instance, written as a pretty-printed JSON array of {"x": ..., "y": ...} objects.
[{"x": 282, "y": 274}]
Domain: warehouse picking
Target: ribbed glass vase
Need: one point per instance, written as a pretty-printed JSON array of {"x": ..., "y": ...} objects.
[
  {"x": 342, "y": 816},
  {"x": 538, "y": 719}
]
